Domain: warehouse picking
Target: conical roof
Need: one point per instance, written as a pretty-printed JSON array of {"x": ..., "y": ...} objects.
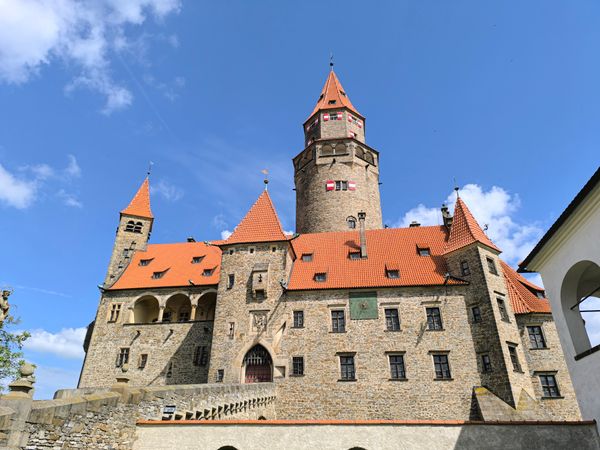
[
  {"x": 140, "y": 204},
  {"x": 260, "y": 224},
  {"x": 333, "y": 96},
  {"x": 465, "y": 230}
]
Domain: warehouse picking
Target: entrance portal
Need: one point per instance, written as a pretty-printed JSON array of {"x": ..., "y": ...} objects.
[{"x": 258, "y": 364}]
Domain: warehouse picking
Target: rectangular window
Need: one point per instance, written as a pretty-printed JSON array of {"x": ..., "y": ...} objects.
[
  {"x": 392, "y": 320},
  {"x": 491, "y": 266},
  {"x": 298, "y": 319},
  {"x": 123, "y": 357},
  {"x": 514, "y": 357},
  {"x": 338, "y": 321},
  {"x": 347, "y": 367},
  {"x": 197, "y": 259},
  {"x": 549, "y": 386},
  {"x": 201, "y": 356},
  {"x": 220, "y": 375},
  {"x": 502, "y": 309},
  {"x": 298, "y": 365},
  {"x": 442, "y": 368},
  {"x": 307, "y": 257},
  {"x": 143, "y": 360},
  {"x": 434, "y": 319},
  {"x": 392, "y": 273},
  {"x": 486, "y": 363},
  {"x": 476, "y": 313},
  {"x": 464, "y": 268},
  {"x": 397, "y": 371},
  {"x": 321, "y": 277},
  {"x": 115, "y": 312},
  {"x": 536, "y": 337},
  {"x": 230, "y": 280},
  {"x": 184, "y": 316}
]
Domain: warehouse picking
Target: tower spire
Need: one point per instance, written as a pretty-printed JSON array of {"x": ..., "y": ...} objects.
[
  {"x": 140, "y": 203},
  {"x": 333, "y": 95}
]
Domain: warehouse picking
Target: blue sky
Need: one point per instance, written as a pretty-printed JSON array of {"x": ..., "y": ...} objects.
[{"x": 501, "y": 96}]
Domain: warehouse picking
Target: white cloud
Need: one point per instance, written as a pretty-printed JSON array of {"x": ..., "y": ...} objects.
[
  {"x": 168, "y": 191},
  {"x": 494, "y": 208},
  {"x": 69, "y": 199},
  {"x": 16, "y": 192},
  {"x": 80, "y": 33},
  {"x": 67, "y": 343},
  {"x": 225, "y": 234},
  {"x": 50, "y": 379},
  {"x": 73, "y": 170}
]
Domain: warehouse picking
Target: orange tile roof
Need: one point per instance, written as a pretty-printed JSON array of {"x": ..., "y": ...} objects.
[
  {"x": 140, "y": 204},
  {"x": 394, "y": 248},
  {"x": 260, "y": 224},
  {"x": 465, "y": 230},
  {"x": 333, "y": 92},
  {"x": 523, "y": 301},
  {"x": 176, "y": 260}
]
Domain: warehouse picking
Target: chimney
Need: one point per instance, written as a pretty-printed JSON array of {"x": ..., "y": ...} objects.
[
  {"x": 363, "y": 235},
  {"x": 414, "y": 223},
  {"x": 446, "y": 216}
]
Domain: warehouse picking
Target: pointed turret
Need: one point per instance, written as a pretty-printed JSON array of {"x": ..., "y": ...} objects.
[
  {"x": 333, "y": 96},
  {"x": 140, "y": 204},
  {"x": 465, "y": 230},
  {"x": 133, "y": 233},
  {"x": 260, "y": 224}
]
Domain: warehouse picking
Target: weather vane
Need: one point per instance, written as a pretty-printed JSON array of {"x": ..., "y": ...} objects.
[
  {"x": 265, "y": 172},
  {"x": 150, "y": 164},
  {"x": 456, "y": 188},
  {"x": 331, "y": 60}
]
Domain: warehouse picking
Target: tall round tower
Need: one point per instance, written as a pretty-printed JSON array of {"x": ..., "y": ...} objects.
[{"x": 337, "y": 174}]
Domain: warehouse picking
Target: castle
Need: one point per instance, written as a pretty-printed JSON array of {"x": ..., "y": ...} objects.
[{"x": 349, "y": 319}]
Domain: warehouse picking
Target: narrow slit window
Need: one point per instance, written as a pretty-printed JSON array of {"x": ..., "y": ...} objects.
[
  {"x": 514, "y": 357},
  {"x": 143, "y": 361},
  {"x": 464, "y": 268},
  {"x": 486, "y": 363}
]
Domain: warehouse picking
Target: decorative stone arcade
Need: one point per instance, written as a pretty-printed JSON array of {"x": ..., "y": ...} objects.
[{"x": 258, "y": 365}]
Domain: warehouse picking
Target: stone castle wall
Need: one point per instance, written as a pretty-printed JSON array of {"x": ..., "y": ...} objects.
[{"x": 170, "y": 347}]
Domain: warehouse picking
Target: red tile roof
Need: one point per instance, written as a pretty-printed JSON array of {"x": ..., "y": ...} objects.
[
  {"x": 333, "y": 92},
  {"x": 176, "y": 260},
  {"x": 465, "y": 230},
  {"x": 394, "y": 248},
  {"x": 261, "y": 224},
  {"x": 140, "y": 204},
  {"x": 523, "y": 301}
]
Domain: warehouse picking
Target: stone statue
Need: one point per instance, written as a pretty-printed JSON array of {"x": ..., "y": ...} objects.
[{"x": 4, "y": 306}]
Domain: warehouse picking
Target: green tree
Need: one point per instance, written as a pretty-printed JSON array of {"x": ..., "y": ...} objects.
[{"x": 11, "y": 356}]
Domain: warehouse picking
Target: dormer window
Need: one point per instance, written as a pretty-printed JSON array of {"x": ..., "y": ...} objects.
[
  {"x": 320, "y": 277},
  {"x": 354, "y": 255},
  {"x": 343, "y": 93},
  {"x": 145, "y": 262},
  {"x": 207, "y": 272},
  {"x": 197, "y": 259},
  {"x": 392, "y": 273},
  {"x": 423, "y": 251},
  {"x": 332, "y": 102},
  {"x": 307, "y": 257},
  {"x": 158, "y": 275},
  {"x": 540, "y": 294}
]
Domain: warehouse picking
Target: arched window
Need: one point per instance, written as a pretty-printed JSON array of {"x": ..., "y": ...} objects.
[
  {"x": 326, "y": 150},
  {"x": 138, "y": 227},
  {"x": 359, "y": 152},
  {"x": 178, "y": 309},
  {"x": 580, "y": 301},
  {"x": 369, "y": 158},
  {"x": 130, "y": 226},
  {"x": 351, "y": 221}
]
